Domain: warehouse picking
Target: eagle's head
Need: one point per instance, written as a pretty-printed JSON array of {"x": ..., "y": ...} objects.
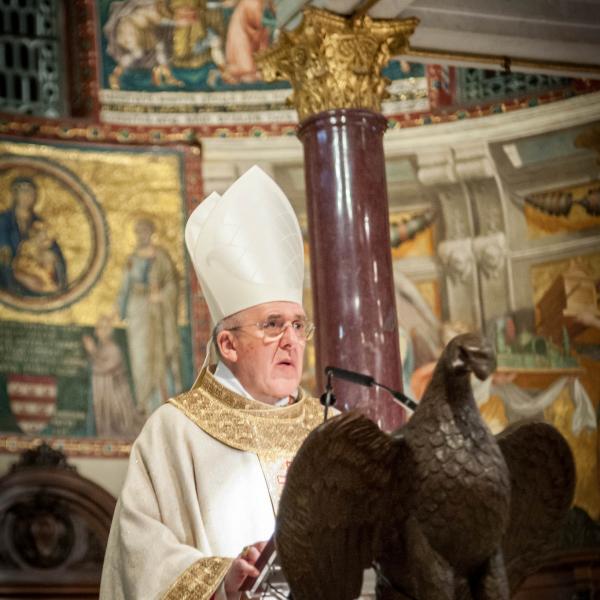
[{"x": 470, "y": 353}]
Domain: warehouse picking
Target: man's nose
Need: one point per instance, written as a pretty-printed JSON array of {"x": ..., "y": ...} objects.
[{"x": 289, "y": 336}]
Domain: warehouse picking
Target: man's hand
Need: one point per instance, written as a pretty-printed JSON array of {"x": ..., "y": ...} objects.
[{"x": 242, "y": 567}]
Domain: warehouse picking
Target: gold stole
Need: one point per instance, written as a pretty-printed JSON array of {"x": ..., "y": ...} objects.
[{"x": 248, "y": 425}]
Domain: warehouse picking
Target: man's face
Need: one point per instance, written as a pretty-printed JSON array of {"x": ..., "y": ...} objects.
[
  {"x": 268, "y": 370},
  {"x": 25, "y": 196},
  {"x": 143, "y": 232}
]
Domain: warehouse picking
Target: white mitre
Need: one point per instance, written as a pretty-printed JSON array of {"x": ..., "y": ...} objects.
[{"x": 246, "y": 246}]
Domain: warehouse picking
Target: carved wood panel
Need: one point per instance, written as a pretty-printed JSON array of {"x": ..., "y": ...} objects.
[{"x": 54, "y": 527}]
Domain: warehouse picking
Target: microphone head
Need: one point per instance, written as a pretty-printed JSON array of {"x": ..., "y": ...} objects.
[{"x": 328, "y": 398}]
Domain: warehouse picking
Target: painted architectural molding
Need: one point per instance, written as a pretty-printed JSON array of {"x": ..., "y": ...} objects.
[
  {"x": 490, "y": 254},
  {"x": 458, "y": 259}
]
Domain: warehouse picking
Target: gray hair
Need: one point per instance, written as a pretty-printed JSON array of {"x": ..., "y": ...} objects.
[{"x": 222, "y": 325}]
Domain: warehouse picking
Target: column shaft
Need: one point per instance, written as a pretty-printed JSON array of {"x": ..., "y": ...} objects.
[{"x": 351, "y": 262}]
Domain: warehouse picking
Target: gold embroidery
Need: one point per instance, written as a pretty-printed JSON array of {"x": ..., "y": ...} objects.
[
  {"x": 200, "y": 581},
  {"x": 246, "y": 424},
  {"x": 275, "y": 472}
]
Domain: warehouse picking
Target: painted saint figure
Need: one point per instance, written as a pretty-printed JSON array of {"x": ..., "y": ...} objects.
[
  {"x": 148, "y": 304},
  {"x": 138, "y": 34},
  {"x": 189, "y": 33},
  {"x": 31, "y": 261},
  {"x": 35, "y": 265},
  {"x": 246, "y": 36},
  {"x": 114, "y": 410}
]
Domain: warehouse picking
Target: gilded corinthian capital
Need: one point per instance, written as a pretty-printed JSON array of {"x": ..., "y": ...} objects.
[{"x": 334, "y": 61}]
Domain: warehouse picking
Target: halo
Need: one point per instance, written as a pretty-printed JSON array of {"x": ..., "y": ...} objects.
[
  {"x": 82, "y": 196},
  {"x": 158, "y": 224}
]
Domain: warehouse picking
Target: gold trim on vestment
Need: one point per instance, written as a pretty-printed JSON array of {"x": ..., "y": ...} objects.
[
  {"x": 200, "y": 581},
  {"x": 247, "y": 424}
]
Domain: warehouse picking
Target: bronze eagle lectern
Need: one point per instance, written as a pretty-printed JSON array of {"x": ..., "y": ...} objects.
[{"x": 443, "y": 509}]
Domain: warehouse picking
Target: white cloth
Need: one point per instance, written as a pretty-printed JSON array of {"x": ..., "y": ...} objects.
[
  {"x": 521, "y": 404},
  {"x": 481, "y": 389},
  {"x": 226, "y": 378},
  {"x": 186, "y": 496}
]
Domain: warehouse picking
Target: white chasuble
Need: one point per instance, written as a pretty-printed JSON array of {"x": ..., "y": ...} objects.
[{"x": 204, "y": 477}]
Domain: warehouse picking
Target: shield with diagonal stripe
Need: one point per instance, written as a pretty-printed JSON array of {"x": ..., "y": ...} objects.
[{"x": 32, "y": 400}]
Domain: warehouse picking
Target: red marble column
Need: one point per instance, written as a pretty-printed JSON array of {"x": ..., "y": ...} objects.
[{"x": 351, "y": 262}]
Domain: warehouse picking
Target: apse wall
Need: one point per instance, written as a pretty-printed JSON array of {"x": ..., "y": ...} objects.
[{"x": 494, "y": 188}]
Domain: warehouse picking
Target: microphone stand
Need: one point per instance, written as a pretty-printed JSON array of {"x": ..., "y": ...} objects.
[{"x": 328, "y": 398}]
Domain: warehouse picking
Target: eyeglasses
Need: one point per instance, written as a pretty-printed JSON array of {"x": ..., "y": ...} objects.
[{"x": 274, "y": 328}]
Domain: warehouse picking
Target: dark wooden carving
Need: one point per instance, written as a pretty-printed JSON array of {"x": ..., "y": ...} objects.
[
  {"x": 573, "y": 572},
  {"x": 42, "y": 456},
  {"x": 54, "y": 527},
  {"x": 568, "y": 576}
]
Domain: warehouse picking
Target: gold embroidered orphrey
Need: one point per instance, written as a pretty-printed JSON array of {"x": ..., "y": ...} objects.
[
  {"x": 245, "y": 424},
  {"x": 200, "y": 581},
  {"x": 334, "y": 61}
]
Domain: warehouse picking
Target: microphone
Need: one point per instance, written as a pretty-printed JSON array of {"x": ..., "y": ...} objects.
[
  {"x": 328, "y": 399},
  {"x": 352, "y": 376}
]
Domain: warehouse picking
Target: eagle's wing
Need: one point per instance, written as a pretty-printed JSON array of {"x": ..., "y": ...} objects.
[
  {"x": 542, "y": 474},
  {"x": 340, "y": 489}
]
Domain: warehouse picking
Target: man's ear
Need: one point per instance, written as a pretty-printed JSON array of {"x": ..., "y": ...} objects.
[{"x": 227, "y": 345}]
